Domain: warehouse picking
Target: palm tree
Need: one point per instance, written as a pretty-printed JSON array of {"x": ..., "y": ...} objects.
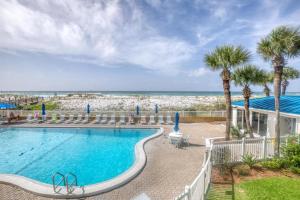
[
  {"x": 225, "y": 58},
  {"x": 244, "y": 77},
  {"x": 265, "y": 80},
  {"x": 280, "y": 45},
  {"x": 288, "y": 73}
]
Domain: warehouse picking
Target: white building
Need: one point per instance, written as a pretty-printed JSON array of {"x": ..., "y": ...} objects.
[{"x": 262, "y": 115}]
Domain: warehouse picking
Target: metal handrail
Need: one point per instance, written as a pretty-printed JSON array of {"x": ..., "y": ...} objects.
[
  {"x": 74, "y": 183},
  {"x": 55, "y": 186}
]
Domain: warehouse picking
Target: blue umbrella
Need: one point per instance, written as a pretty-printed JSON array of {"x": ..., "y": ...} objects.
[
  {"x": 176, "y": 127},
  {"x": 137, "y": 110},
  {"x": 88, "y": 109},
  {"x": 43, "y": 109},
  {"x": 7, "y": 106},
  {"x": 156, "y": 108}
]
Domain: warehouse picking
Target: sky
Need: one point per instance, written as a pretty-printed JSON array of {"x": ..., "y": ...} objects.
[{"x": 152, "y": 45}]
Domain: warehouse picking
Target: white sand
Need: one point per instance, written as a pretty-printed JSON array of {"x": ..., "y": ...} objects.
[{"x": 108, "y": 102}]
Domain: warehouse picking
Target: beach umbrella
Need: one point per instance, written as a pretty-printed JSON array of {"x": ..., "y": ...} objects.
[
  {"x": 88, "y": 109},
  {"x": 156, "y": 108},
  {"x": 176, "y": 127},
  {"x": 43, "y": 109},
  {"x": 5, "y": 106},
  {"x": 137, "y": 110}
]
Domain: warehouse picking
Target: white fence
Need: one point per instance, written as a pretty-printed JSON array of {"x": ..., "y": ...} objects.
[
  {"x": 199, "y": 188},
  {"x": 234, "y": 150},
  {"x": 24, "y": 113},
  {"x": 230, "y": 152}
]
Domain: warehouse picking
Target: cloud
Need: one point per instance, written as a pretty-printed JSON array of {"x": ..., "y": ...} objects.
[
  {"x": 199, "y": 72},
  {"x": 110, "y": 32}
]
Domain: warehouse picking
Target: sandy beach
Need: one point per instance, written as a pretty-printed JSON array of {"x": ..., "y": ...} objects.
[
  {"x": 129, "y": 102},
  {"x": 109, "y": 102}
]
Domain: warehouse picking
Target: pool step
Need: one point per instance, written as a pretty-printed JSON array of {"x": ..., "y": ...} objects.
[{"x": 65, "y": 180}]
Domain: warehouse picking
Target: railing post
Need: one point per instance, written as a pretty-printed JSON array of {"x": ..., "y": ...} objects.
[
  {"x": 188, "y": 192},
  {"x": 243, "y": 146},
  {"x": 264, "y": 147}
]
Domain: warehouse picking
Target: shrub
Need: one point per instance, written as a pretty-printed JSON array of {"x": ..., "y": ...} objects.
[
  {"x": 249, "y": 160},
  {"x": 291, "y": 153},
  {"x": 235, "y": 132},
  {"x": 295, "y": 170},
  {"x": 243, "y": 170},
  {"x": 273, "y": 164}
]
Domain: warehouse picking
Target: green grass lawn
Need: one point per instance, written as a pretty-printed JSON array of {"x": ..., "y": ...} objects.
[{"x": 273, "y": 188}]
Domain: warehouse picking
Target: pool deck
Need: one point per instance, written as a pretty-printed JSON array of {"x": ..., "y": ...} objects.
[{"x": 166, "y": 173}]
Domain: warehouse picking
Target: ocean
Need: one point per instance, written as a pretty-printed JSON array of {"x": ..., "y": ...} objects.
[{"x": 129, "y": 93}]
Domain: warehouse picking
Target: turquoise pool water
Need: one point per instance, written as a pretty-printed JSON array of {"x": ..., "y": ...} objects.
[{"x": 93, "y": 154}]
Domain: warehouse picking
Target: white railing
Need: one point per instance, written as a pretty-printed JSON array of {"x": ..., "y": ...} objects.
[
  {"x": 24, "y": 113},
  {"x": 199, "y": 188},
  {"x": 230, "y": 152},
  {"x": 233, "y": 151}
]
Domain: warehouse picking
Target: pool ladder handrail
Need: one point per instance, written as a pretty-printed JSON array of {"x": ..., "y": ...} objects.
[
  {"x": 65, "y": 180},
  {"x": 70, "y": 186},
  {"x": 55, "y": 186}
]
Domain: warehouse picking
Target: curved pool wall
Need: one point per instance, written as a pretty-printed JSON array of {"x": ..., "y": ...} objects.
[{"x": 45, "y": 189}]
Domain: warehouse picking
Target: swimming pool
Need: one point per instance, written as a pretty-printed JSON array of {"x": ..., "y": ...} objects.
[{"x": 93, "y": 154}]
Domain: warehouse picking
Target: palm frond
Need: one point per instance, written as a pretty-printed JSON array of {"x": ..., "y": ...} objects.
[
  {"x": 226, "y": 57},
  {"x": 283, "y": 42},
  {"x": 247, "y": 75},
  {"x": 290, "y": 73}
]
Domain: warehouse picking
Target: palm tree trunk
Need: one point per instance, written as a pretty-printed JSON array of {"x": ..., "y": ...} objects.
[
  {"x": 278, "y": 67},
  {"x": 267, "y": 90},
  {"x": 227, "y": 94},
  {"x": 284, "y": 86},
  {"x": 247, "y": 94}
]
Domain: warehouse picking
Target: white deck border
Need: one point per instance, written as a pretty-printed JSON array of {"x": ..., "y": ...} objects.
[{"x": 46, "y": 190}]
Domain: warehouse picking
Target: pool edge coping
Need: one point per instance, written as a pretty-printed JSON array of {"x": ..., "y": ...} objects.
[{"x": 46, "y": 190}]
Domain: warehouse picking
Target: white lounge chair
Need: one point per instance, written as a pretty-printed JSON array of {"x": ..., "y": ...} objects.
[
  {"x": 36, "y": 118},
  {"x": 186, "y": 140},
  {"x": 161, "y": 119},
  {"x": 97, "y": 119},
  {"x": 152, "y": 120},
  {"x": 112, "y": 119},
  {"x": 143, "y": 119},
  {"x": 61, "y": 119},
  {"x": 29, "y": 118},
  {"x": 169, "y": 119},
  {"x": 122, "y": 119},
  {"x": 86, "y": 119},
  {"x": 53, "y": 119},
  {"x": 131, "y": 119},
  {"x": 79, "y": 119},
  {"x": 70, "y": 119},
  {"x": 104, "y": 119}
]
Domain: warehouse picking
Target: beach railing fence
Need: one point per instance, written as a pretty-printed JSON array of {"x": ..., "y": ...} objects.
[{"x": 183, "y": 114}]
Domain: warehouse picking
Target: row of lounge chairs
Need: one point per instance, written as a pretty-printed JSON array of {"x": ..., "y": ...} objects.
[{"x": 100, "y": 119}]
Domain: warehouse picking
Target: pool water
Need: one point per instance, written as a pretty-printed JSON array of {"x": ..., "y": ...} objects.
[{"x": 93, "y": 154}]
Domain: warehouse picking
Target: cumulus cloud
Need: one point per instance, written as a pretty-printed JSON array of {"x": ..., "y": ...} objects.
[
  {"x": 199, "y": 72},
  {"x": 110, "y": 32}
]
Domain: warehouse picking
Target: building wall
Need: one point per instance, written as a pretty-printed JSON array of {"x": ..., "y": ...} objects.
[
  {"x": 271, "y": 125},
  {"x": 298, "y": 125},
  {"x": 234, "y": 117},
  {"x": 271, "y": 121}
]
